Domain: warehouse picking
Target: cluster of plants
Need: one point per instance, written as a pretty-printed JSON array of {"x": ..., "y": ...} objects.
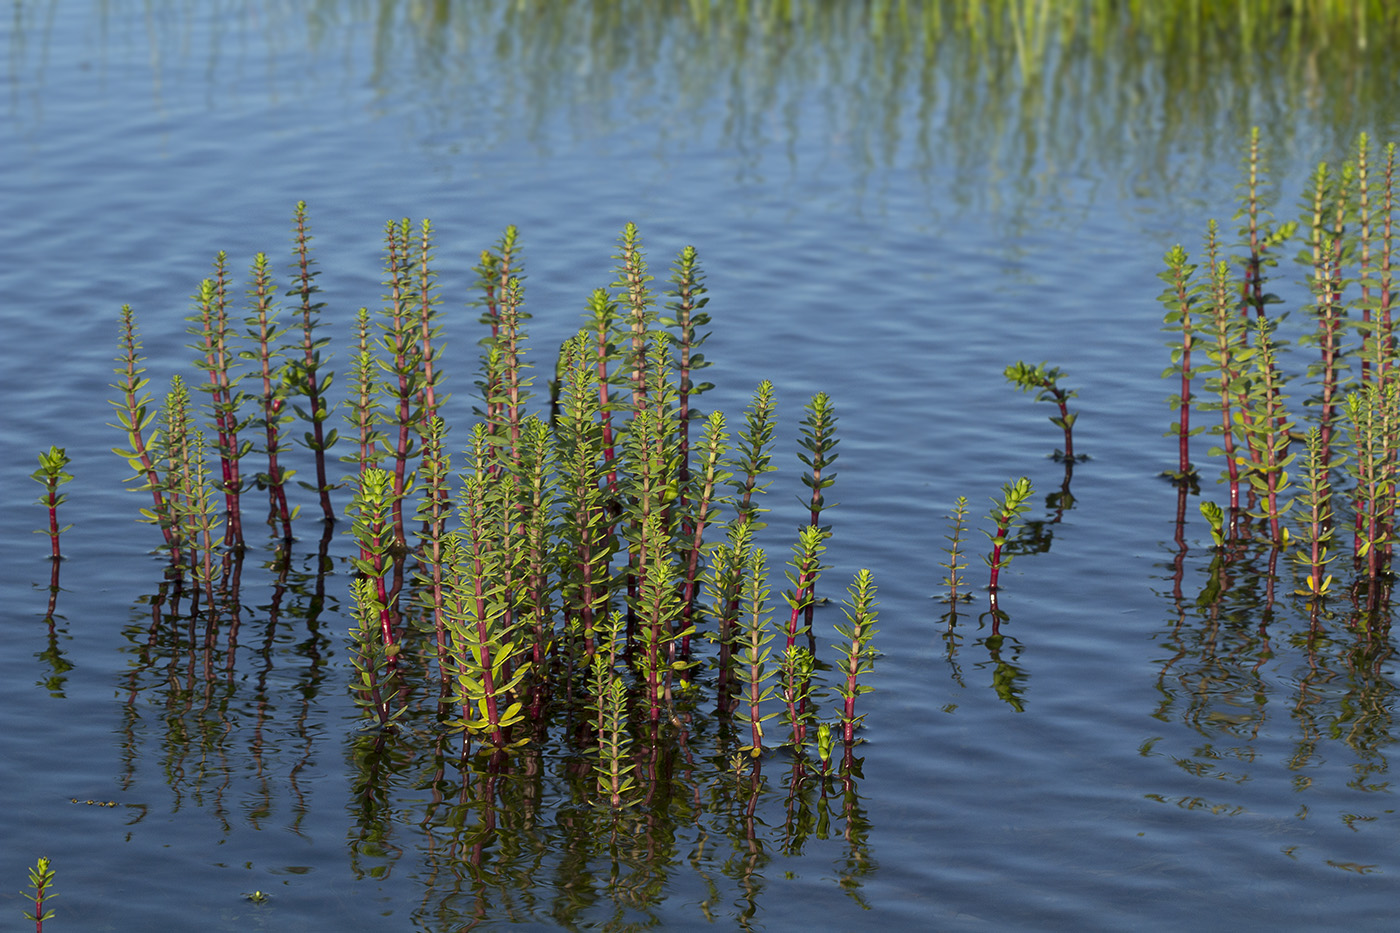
[
  {"x": 587, "y": 570},
  {"x": 1309, "y": 451}
]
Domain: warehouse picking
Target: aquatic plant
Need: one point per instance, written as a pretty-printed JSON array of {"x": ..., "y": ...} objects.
[
  {"x": 53, "y": 473},
  {"x": 1045, "y": 380},
  {"x": 858, "y": 653},
  {"x": 1180, "y": 297},
  {"x": 41, "y": 879},
  {"x": 956, "y": 563},
  {"x": 306, "y": 376},
  {"x": 1347, "y": 254},
  {"x": 1006, "y": 511}
]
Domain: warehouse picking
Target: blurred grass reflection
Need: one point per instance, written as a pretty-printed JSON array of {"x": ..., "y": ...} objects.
[{"x": 1028, "y": 91}]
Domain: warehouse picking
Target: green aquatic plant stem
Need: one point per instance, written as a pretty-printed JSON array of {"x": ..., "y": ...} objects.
[
  {"x": 424, "y": 284},
  {"x": 365, "y": 411},
  {"x": 433, "y": 512},
  {"x": 265, "y": 334},
  {"x": 585, "y": 540},
  {"x": 857, "y": 653},
  {"x": 795, "y": 669},
  {"x": 135, "y": 417},
  {"x": 1268, "y": 431},
  {"x": 753, "y": 455},
  {"x": 373, "y": 529},
  {"x": 1045, "y": 380},
  {"x": 817, "y": 437},
  {"x": 956, "y": 563},
  {"x": 711, "y": 451},
  {"x": 53, "y": 473},
  {"x": 602, "y": 315},
  {"x": 724, "y": 587},
  {"x": 402, "y": 360},
  {"x": 1261, "y": 237},
  {"x": 1371, "y": 414},
  {"x": 1314, "y": 552},
  {"x": 753, "y": 657},
  {"x": 216, "y": 357},
  {"x": 1180, "y": 298},
  {"x": 634, "y": 281},
  {"x": 687, "y": 316},
  {"x": 309, "y": 379},
  {"x": 805, "y": 569},
  {"x": 1323, "y": 255},
  {"x": 41, "y": 881},
  {"x": 533, "y": 534},
  {"x": 1230, "y": 354},
  {"x": 1006, "y": 512},
  {"x": 373, "y": 660}
]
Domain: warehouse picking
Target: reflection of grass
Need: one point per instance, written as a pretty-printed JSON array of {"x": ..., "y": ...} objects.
[{"x": 1022, "y": 92}]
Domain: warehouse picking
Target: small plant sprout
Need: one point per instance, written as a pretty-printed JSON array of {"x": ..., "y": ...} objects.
[
  {"x": 1045, "y": 380},
  {"x": 52, "y": 473},
  {"x": 41, "y": 884},
  {"x": 1005, "y": 513}
]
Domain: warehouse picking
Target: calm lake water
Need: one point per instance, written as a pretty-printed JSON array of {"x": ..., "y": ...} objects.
[{"x": 883, "y": 216}]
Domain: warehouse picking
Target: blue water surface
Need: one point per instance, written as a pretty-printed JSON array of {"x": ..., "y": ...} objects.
[{"x": 1159, "y": 774}]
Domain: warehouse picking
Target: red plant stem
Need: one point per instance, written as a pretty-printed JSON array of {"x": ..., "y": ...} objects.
[
  {"x": 805, "y": 580},
  {"x": 1187, "y": 337},
  {"x": 51, "y": 484}
]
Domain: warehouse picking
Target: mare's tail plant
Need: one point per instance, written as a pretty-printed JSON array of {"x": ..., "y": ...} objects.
[
  {"x": 1324, "y": 255},
  {"x": 1045, "y": 380},
  {"x": 41, "y": 884},
  {"x": 1371, "y": 415},
  {"x": 373, "y": 531},
  {"x": 1314, "y": 551},
  {"x": 216, "y": 358},
  {"x": 1005, "y": 513},
  {"x": 1229, "y": 353},
  {"x": 52, "y": 473},
  {"x": 753, "y": 456},
  {"x": 857, "y": 654},
  {"x": 1180, "y": 298},
  {"x": 399, "y": 340},
  {"x": 365, "y": 411},
  {"x": 306, "y": 375},
  {"x": 818, "y": 439},
  {"x": 1268, "y": 431},
  {"x": 752, "y": 660},
  {"x": 135, "y": 418},
  {"x": 806, "y": 568},
  {"x": 687, "y": 316},
  {"x": 956, "y": 563},
  {"x": 265, "y": 334}
]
